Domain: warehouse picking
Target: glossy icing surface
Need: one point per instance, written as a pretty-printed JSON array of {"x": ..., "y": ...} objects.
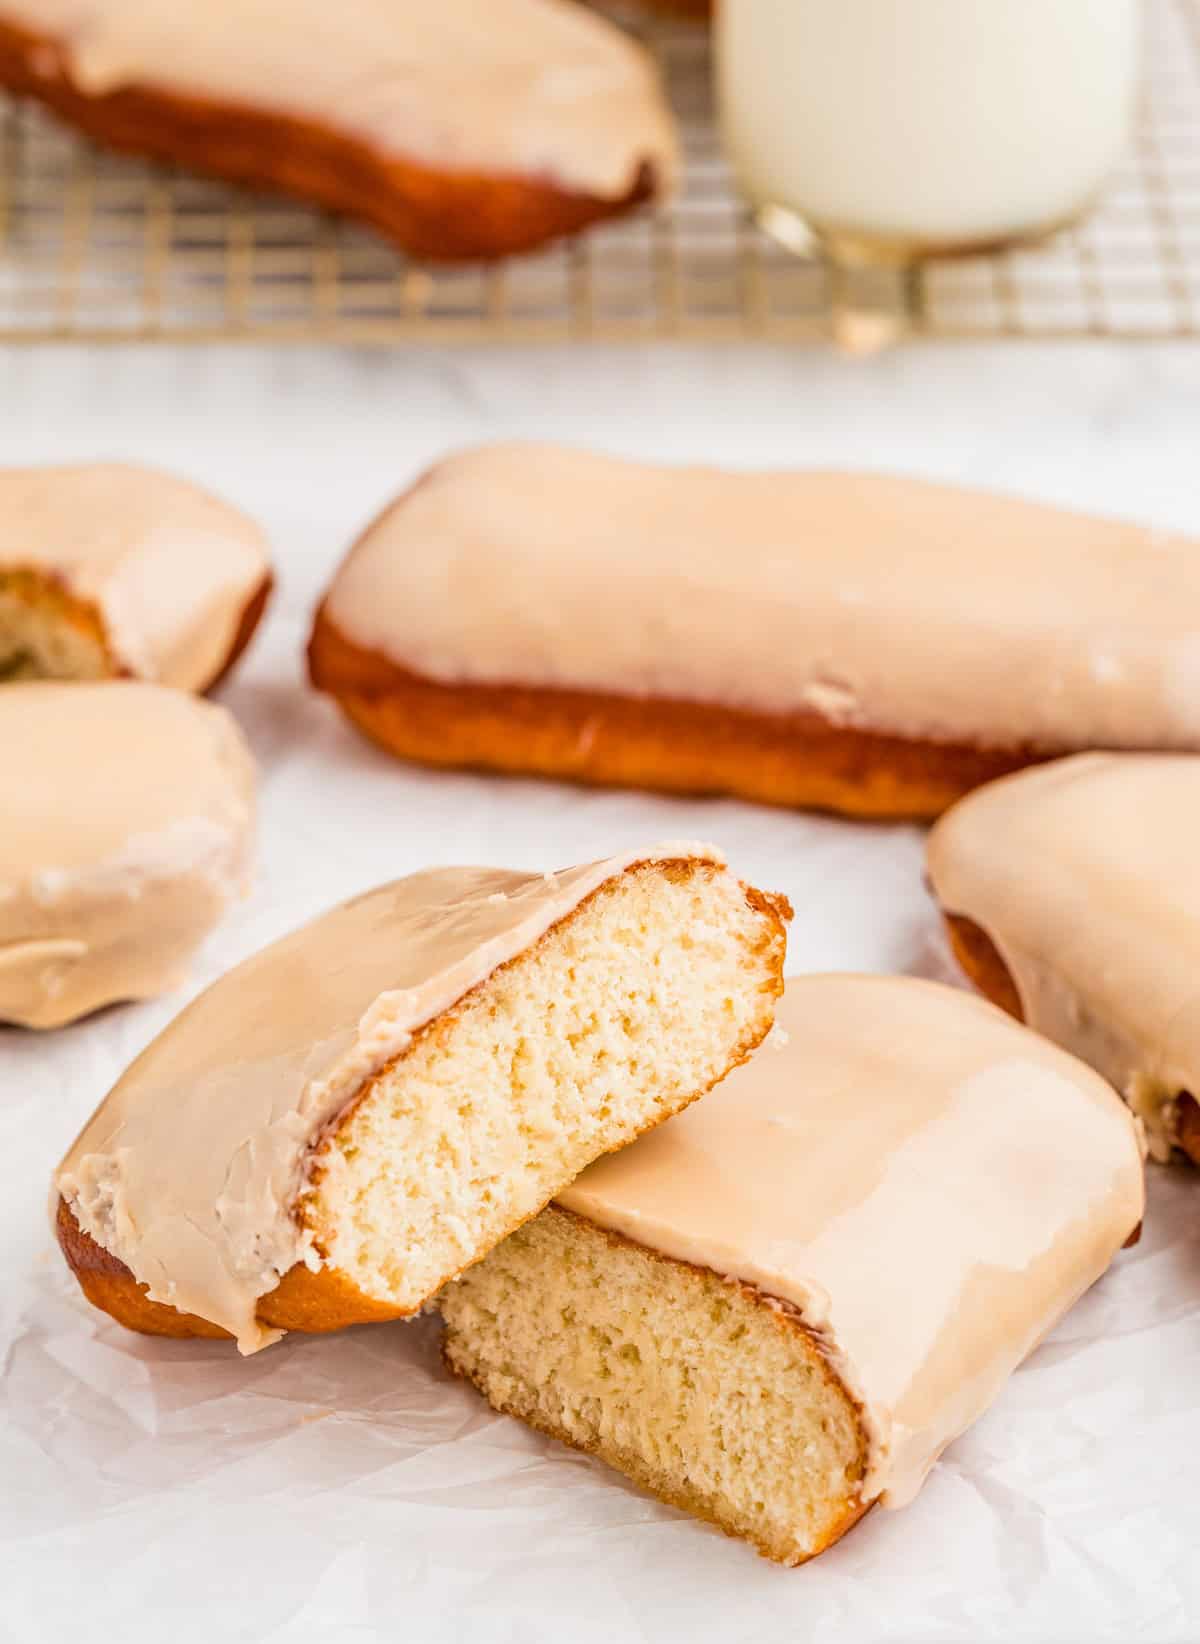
[
  {"x": 169, "y": 568},
  {"x": 872, "y": 600},
  {"x": 1086, "y": 875},
  {"x": 541, "y": 88},
  {"x": 930, "y": 1184},
  {"x": 125, "y": 831},
  {"x": 189, "y": 1170}
]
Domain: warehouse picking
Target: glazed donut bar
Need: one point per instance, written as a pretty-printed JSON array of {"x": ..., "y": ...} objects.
[
  {"x": 107, "y": 570},
  {"x": 125, "y": 832},
  {"x": 466, "y": 129},
  {"x": 780, "y": 1308},
  {"x": 858, "y": 642},
  {"x": 1072, "y": 897},
  {"x": 343, "y": 1122}
]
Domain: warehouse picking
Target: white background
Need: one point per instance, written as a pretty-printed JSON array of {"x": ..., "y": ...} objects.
[{"x": 345, "y": 1489}]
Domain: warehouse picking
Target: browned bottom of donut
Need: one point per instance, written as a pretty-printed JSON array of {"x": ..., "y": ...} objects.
[
  {"x": 798, "y": 760},
  {"x": 980, "y": 960},
  {"x": 441, "y": 215},
  {"x": 697, "y": 9},
  {"x": 312, "y": 1302},
  {"x": 248, "y": 622},
  {"x": 1187, "y": 1125}
]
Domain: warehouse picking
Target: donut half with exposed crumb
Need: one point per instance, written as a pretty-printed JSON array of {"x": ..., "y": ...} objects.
[
  {"x": 110, "y": 571},
  {"x": 780, "y": 1307},
  {"x": 360, "y": 1111}
]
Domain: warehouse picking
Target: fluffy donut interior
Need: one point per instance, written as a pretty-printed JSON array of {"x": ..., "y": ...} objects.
[
  {"x": 703, "y": 1391},
  {"x": 44, "y": 634},
  {"x": 623, "y": 1013}
]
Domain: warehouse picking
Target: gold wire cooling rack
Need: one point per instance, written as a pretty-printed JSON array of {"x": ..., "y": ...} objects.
[{"x": 94, "y": 247}]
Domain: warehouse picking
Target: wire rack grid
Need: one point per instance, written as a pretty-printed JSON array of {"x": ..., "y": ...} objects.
[{"x": 97, "y": 247}]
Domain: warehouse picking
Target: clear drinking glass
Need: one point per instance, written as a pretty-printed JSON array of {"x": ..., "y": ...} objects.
[{"x": 894, "y": 130}]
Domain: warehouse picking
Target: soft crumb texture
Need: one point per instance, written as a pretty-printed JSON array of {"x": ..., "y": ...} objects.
[
  {"x": 45, "y": 634},
  {"x": 623, "y": 1013},
  {"x": 703, "y": 1391}
]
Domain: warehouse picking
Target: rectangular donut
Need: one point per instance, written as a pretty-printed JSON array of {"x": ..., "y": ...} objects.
[
  {"x": 469, "y": 129},
  {"x": 126, "y": 831},
  {"x": 778, "y": 1308},
  {"x": 110, "y": 571},
  {"x": 1072, "y": 895},
  {"x": 343, "y": 1121},
  {"x": 865, "y": 643}
]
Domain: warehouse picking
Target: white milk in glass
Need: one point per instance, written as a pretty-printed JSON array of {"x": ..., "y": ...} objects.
[{"x": 924, "y": 125}]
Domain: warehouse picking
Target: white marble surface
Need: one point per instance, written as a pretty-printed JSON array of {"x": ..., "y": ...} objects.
[
  {"x": 1103, "y": 425},
  {"x": 343, "y": 1489}
]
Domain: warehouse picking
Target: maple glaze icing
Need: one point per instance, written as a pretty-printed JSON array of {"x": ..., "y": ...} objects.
[
  {"x": 169, "y": 568},
  {"x": 190, "y": 1169},
  {"x": 125, "y": 831},
  {"x": 930, "y": 1184},
  {"x": 875, "y": 601},
  {"x": 1085, "y": 873},
  {"x": 528, "y": 88}
]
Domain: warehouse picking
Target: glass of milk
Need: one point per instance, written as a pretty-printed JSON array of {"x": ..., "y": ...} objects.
[{"x": 898, "y": 129}]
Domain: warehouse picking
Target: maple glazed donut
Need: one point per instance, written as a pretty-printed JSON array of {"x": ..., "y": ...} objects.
[
  {"x": 112, "y": 571},
  {"x": 1072, "y": 898},
  {"x": 778, "y": 1309},
  {"x": 469, "y": 129},
  {"x": 125, "y": 833},
  {"x": 863, "y": 643},
  {"x": 341, "y": 1123}
]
